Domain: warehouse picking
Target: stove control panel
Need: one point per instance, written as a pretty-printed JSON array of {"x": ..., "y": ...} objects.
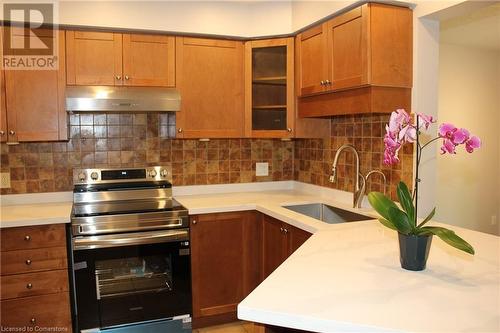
[{"x": 121, "y": 175}]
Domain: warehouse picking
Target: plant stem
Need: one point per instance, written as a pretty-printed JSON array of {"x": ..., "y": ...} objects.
[
  {"x": 431, "y": 141},
  {"x": 419, "y": 152}
]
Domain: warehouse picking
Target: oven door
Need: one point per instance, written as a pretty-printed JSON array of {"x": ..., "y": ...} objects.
[{"x": 132, "y": 277}]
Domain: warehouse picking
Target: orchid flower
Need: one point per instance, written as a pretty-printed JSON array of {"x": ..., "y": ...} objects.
[{"x": 401, "y": 129}]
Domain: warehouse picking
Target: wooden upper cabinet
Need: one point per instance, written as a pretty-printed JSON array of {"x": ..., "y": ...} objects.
[
  {"x": 94, "y": 58},
  {"x": 370, "y": 45},
  {"x": 312, "y": 54},
  {"x": 347, "y": 50},
  {"x": 148, "y": 60},
  {"x": 107, "y": 58},
  {"x": 35, "y": 102},
  {"x": 210, "y": 77},
  {"x": 391, "y": 45},
  {"x": 269, "y": 88}
]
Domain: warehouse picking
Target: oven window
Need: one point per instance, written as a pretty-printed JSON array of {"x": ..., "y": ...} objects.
[{"x": 133, "y": 275}]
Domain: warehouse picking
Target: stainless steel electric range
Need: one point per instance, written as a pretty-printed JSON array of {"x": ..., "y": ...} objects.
[{"x": 131, "y": 252}]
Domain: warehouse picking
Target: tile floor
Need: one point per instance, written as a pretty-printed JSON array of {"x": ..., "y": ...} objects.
[{"x": 236, "y": 327}]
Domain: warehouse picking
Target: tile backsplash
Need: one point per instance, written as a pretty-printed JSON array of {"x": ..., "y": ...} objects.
[
  {"x": 313, "y": 158},
  {"x": 131, "y": 140}
]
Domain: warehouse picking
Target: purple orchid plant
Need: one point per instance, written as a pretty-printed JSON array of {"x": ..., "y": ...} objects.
[{"x": 402, "y": 130}]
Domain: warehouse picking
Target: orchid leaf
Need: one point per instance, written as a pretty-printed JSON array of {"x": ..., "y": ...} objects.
[
  {"x": 381, "y": 204},
  {"x": 400, "y": 220},
  {"x": 449, "y": 237},
  {"x": 428, "y": 218},
  {"x": 387, "y": 223},
  {"x": 406, "y": 201}
]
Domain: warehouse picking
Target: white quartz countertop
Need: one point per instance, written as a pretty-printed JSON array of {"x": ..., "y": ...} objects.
[
  {"x": 35, "y": 214},
  {"x": 347, "y": 277}
]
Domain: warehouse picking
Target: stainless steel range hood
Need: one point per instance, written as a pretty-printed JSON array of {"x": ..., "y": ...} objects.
[{"x": 121, "y": 99}]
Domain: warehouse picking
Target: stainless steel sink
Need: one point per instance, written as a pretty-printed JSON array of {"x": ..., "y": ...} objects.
[{"x": 328, "y": 214}]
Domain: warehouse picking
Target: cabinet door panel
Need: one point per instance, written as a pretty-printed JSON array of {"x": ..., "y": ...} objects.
[
  {"x": 38, "y": 311},
  {"x": 32, "y": 284},
  {"x": 35, "y": 102},
  {"x": 217, "y": 242},
  {"x": 26, "y": 261},
  {"x": 347, "y": 44},
  {"x": 391, "y": 45},
  {"x": 148, "y": 60},
  {"x": 296, "y": 237},
  {"x": 3, "y": 111},
  {"x": 33, "y": 237},
  {"x": 274, "y": 245},
  {"x": 210, "y": 79},
  {"x": 312, "y": 48},
  {"x": 94, "y": 58}
]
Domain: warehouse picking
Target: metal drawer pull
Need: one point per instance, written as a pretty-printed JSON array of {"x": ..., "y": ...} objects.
[
  {"x": 136, "y": 238},
  {"x": 28, "y": 262},
  {"x": 29, "y": 286},
  {"x": 33, "y": 321},
  {"x": 27, "y": 238}
]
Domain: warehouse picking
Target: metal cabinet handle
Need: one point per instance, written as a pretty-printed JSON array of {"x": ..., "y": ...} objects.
[
  {"x": 194, "y": 222},
  {"x": 322, "y": 82},
  {"x": 285, "y": 231},
  {"x": 118, "y": 77},
  {"x": 179, "y": 130},
  {"x": 28, "y": 262},
  {"x": 328, "y": 82},
  {"x": 127, "y": 77},
  {"x": 33, "y": 320},
  {"x": 12, "y": 132},
  {"x": 2, "y": 133},
  {"x": 29, "y": 286},
  {"x": 289, "y": 130},
  {"x": 281, "y": 229},
  {"x": 27, "y": 238}
]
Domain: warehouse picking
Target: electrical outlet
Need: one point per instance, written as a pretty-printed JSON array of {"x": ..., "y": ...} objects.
[
  {"x": 494, "y": 220},
  {"x": 262, "y": 169},
  {"x": 5, "y": 180}
]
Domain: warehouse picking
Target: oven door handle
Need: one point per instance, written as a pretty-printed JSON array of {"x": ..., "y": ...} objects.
[{"x": 136, "y": 238}]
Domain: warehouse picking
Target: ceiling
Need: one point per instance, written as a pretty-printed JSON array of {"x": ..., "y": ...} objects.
[{"x": 479, "y": 28}]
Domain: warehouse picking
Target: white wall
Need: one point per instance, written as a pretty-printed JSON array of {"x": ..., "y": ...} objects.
[
  {"x": 236, "y": 18},
  {"x": 468, "y": 186}
]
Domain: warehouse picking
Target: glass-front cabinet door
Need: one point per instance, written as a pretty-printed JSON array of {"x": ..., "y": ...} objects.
[{"x": 269, "y": 84}]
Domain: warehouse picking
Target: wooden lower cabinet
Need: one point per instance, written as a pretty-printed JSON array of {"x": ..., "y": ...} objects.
[
  {"x": 33, "y": 284},
  {"x": 231, "y": 253},
  {"x": 34, "y": 289},
  {"x": 44, "y": 312},
  {"x": 280, "y": 240},
  {"x": 224, "y": 264}
]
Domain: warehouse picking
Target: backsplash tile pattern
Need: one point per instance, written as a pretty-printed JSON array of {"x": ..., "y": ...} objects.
[
  {"x": 131, "y": 140},
  {"x": 313, "y": 158}
]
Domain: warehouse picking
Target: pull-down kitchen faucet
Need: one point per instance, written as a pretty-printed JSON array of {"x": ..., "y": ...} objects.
[{"x": 360, "y": 184}]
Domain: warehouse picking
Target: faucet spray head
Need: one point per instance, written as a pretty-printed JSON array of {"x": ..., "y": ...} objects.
[{"x": 333, "y": 177}]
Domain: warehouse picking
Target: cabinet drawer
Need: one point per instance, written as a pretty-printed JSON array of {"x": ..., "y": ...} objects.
[
  {"x": 44, "y": 312},
  {"x": 33, "y": 237},
  {"x": 26, "y": 261},
  {"x": 33, "y": 284}
]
